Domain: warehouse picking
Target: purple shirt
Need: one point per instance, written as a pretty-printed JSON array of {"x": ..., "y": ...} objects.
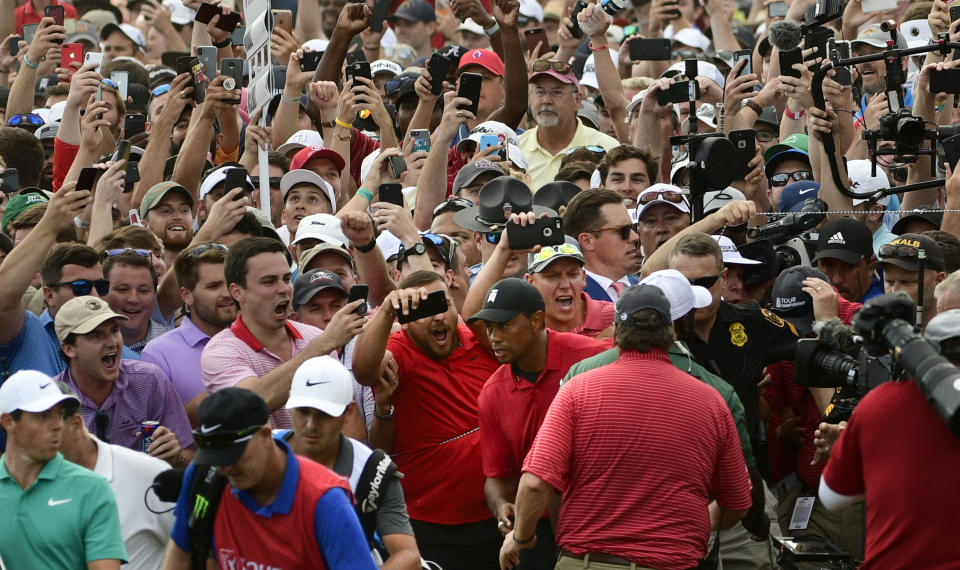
[
  {"x": 142, "y": 392},
  {"x": 177, "y": 353}
]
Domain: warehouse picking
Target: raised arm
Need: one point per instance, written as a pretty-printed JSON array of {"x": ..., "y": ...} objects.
[
  {"x": 158, "y": 147},
  {"x": 514, "y": 105},
  {"x": 193, "y": 153},
  {"x": 432, "y": 185},
  {"x": 48, "y": 36},
  {"x": 372, "y": 342}
]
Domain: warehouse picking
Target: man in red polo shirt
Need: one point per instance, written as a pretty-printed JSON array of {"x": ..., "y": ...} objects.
[
  {"x": 637, "y": 448},
  {"x": 432, "y": 423},
  {"x": 32, "y": 12},
  {"x": 515, "y": 399}
]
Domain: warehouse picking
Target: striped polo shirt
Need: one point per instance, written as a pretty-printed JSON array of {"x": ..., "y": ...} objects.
[{"x": 234, "y": 354}]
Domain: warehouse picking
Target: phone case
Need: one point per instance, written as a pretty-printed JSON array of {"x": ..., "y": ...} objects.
[
  {"x": 745, "y": 144},
  {"x": 435, "y": 304},
  {"x": 358, "y": 292},
  {"x": 534, "y": 37},
  {"x": 575, "y": 30},
  {"x": 787, "y": 61},
  {"x": 546, "y": 231},
  {"x": 438, "y": 67},
  {"x": 283, "y": 19},
  {"x": 656, "y": 49},
  {"x": 134, "y": 124},
  {"x": 391, "y": 194},
  {"x": 421, "y": 140},
  {"x": 70, "y": 53},
  {"x": 87, "y": 178},
  {"x": 470, "y": 84},
  {"x": 379, "y": 14}
]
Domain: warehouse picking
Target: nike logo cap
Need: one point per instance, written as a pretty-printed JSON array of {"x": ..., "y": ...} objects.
[
  {"x": 32, "y": 391},
  {"x": 228, "y": 419},
  {"x": 322, "y": 383}
]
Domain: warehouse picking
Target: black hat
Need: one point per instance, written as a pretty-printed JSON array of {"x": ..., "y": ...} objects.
[
  {"x": 556, "y": 195},
  {"x": 312, "y": 282},
  {"x": 498, "y": 199},
  {"x": 414, "y": 11},
  {"x": 507, "y": 299},
  {"x": 846, "y": 239},
  {"x": 789, "y": 299},
  {"x": 933, "y": 217},
  {"x": 640, "y": 297},
  {"x": 764, "y": 252},
  {"x": 902, "y": 252},
  {"x": 228, "y": 420}
]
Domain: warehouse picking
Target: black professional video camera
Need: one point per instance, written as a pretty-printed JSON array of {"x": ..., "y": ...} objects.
[{"x": 785, "y": 234}]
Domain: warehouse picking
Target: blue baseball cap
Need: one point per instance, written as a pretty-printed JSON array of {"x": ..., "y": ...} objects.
[{"x": 794, "y": 195}]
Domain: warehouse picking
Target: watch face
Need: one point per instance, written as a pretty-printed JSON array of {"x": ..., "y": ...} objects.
[{"x": 419, "y": 249}]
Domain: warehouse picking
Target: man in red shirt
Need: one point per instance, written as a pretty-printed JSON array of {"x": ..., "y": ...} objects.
[
  {"x": 637, "y": 448},
  {"x": 432, "y": 427},
  {"x": 32, "y": 12},
  {"x": 515, "y": 399}
]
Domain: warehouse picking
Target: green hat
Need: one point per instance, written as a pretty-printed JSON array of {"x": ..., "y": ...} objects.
[
  {"x": 19, "y": 203},
  {"x": 793, "y": 142},
  {"x": 157, "y": 192}
]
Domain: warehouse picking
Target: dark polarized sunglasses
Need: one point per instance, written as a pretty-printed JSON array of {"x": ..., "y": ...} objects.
[
  {"x": 228, "y": 439},
  {"x": 26, "y": 119},
  {"x": 784, "y": 178},
  {"x": 706, "y": 282},
  {"x": 83, "y": 287},
  {"x": 204, "y": 248},
  {"x": 560, "y": 67},
  {"x": 121, "y": 251},
  {"x": 623, "y": 231},
  {"x": 492, "y": 237}
]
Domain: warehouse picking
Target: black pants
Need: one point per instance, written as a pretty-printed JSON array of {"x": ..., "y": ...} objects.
[
  {"x": 471, "y": 546},
  {"x": 543, "y": 556}
]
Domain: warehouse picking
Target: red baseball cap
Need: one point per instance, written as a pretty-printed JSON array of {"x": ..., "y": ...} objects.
[
  {"x": 484, "y": 58},
  {"x": 309, "y": 153}
]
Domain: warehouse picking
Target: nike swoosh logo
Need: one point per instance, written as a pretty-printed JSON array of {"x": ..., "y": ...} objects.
[
  {"x": 45, "y": 385},
  {"x": 53, "y": 503},
  {"x": 205, "y": 429},
  {"x": 807, "y": 191},
  {"x": 317, "y": 383}
]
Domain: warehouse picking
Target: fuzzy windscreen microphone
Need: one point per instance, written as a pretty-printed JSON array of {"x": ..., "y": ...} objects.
[
  {"x": 785, "y": 35},
  {"x": 839, "y": 336}
]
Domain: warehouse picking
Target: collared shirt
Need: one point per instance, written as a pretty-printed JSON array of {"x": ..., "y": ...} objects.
[
  {"x": 882, "y": 236},
  {"x": 66, "y": 519},
  {"x": 177, "y": 353},
  {"x": 26, "y": 14},
  {"x": 605, "y": 284},
  {"x": 597, "y": 317},
  {"x": 130, "y": 474},
  {"x": 234, "y": 354},
  {"x": 543, "y": 166},
  {"x": 142, "y": 392},
  {"x": 154, "y": 330}
]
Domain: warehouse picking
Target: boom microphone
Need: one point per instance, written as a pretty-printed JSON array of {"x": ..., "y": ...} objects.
[
  {"x": 839, "y": 336},
  {"x": 785, "y": 36}
]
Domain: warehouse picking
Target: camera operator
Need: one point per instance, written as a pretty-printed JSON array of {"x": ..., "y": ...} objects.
[
  {"x": 904, "y": 469},
  {"x": 899, "y": 260}
]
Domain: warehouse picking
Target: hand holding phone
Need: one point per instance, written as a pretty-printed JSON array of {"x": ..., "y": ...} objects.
[
  {"x": 434, "y": 304},
  {"x": 358, "y": 292},
  {"x": 470, "y": 84},
  {"x": 535, "y": 37},
  {"x": 391, "y": 193},
  {"x": 545, "y": 231}
]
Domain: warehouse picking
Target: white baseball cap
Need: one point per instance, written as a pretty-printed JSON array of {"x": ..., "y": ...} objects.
[
  {"x": 683, "y": 296},
  {"x": 704, "y": 68},
  {"x": 301, "y": 139},
  {"x": 31, "y": 391},
  {"x": 385, "y": 66},
  {"x": 692, "y": 37},
  {"x": 324, "y": 227},
  {"x": 589, "y": 77},
  {"x": 861, "y": 182},
  {"x": 321, "y": 383},
  {"x": 659, "y": 188},
  {"x": 469, "y": 25},
  {"x": 301, "y": 176},
  {"x": 730, "y": 252}
]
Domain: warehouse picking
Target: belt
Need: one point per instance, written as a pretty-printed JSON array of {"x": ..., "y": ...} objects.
[{"x": 600, "y": 557}]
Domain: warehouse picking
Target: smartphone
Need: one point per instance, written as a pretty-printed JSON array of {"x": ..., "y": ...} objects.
[
  {"x": 488, "y": 140},
  {"x": 945, "y": 81},
  {"x": 232, "y": 68},
  {"x": 391, "y": 193},
  {"x": 535, "y": 36},
  {"x": 675, "y": 13},
  {"x": 420, "y": 138},
  {"x": 747, "y": 55},
  {"x": 843, "y": 75},
  {"x": 236, "y": 178},
  {"x": 355, "y": 56},
  {"x": 122, "y": 79},
  {"x": 358, "y": 292},
  {"x": 93, "y": 57},
  {"x": 207, "y": 11},
  {"x": 87, "y": 178},
  {"x": 545, "y": 231},
  {"x": 55, "y": 12},
  {"x": 379, "y": 14},
  {"x": 358, "y": 69},
  {"x": 70, "y": 53},
  {"x": 15, "y": 45},
  {"x": 199, "y": 87},
  {"x": 870, "y": 6},
  {"x": 208, "y": 57},
  {"x": 132, "y": 176},
  {"x": 745, "y": 144},
  {"x": 787, "y": 61},
  {"x": 310, "y": 60},
  {"x": 470, "y": 84},
  {"x": 955, "y": 12},
  {"x": 10, "y": 181},
  {"x": 951, "y": 151},
  {"x": 679, "y": 92},
  {"x": 122, "y": 151},
  {"x": 656, "y": 49},
  {"x": 236, "y": 36},
  {"x": 438, "y": 66},
  {"x": 134, "y": 124},
  {"x": 435, "y": 304},
  {"x": 29, "y": 30},
  {"x": 575, "y": 29},
  {"x": 397, "y": 165},
  {"x": 283, "y": 19},
  {"x": 777, "y": 10}
]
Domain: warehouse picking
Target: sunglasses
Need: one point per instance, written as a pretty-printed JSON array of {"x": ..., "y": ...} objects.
[
  {"x": 452, "y": 205},
  {"x": 274, "y": 181},
  {"x": 547, "y": 252},
  {"x": 668, "y": 195},
  {"x": 83, "y": 287},
  {"x": 591, "y": 148},
  {"x": 560, "y": 67},
  {"x": 899, "y": 173},
  {"x": 121, "y": 251},
  {"x": 784, "y": 178},
  {"x": 228, "y": 439},
  {"x": 440, "y": 244},
  {"x": 898, "y": 250},
  {"x": 27, "y": 119},
  {"x": 110, "y": 83},
  {"x": 492, "y": 237},
  {"x": 706, "y": 282},
  {"x": 160, "y": 89},
  {"x": 204, "y": 248},
  {"x": 102, "y": 422},
  {"x": 624, "y": 231}
]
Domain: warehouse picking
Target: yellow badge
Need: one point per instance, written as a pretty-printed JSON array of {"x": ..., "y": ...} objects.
[{"x": 738, "y": 335}]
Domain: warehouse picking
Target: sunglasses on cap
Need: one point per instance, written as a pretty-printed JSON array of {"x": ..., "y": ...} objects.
[
  {"x": 624, "y": 231},
  {"x": 452, "y": 205},
  {"x": 898, "y": 250},
  {"x": 441, "y": 245},
  {"x": 708, "y": 281},
  {"x": 784, "y": 178},
  {"x": 204, "y": 248},
  {"x": 121, "y": 251},
  {"x": 560, "y": 67},
  {"x": 83, "y": 287},
  {"x": 591, "y": 148},
  {"x": 110, "y": 83},
  {"x": 224, "y": 439},
  {"x": 26, "y": 119},
  {"x": 668, "y": 195},
  {"x": 160, "y": 90},
  {"x": 547, "y": 252}
]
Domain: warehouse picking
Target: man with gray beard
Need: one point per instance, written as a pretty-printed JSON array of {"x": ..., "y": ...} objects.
[{"x": 555, "y": 98}]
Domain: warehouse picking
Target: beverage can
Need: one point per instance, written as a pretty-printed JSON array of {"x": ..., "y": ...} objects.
[{"x": 146, "y": 434}]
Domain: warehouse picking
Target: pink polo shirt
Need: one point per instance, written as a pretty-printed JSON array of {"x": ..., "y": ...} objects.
[
  {"x": 234, "y": 354},
  {"x": 597, "y": 317}
]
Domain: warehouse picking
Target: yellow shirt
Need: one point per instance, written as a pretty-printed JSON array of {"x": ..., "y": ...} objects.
[{"x": 543, "y": 166}]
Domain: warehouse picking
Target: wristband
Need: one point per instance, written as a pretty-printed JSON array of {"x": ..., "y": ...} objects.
[
  {"x": 387, "y": 416},
  {"x": 366, "y": 248},
  {"x": 365, "y": 193},
  {"x": 342, "y": 124},
  {"x": 594, "y": 48},
  {"x": 753, "y": 106},
  {"x": 327, "y": 124},
  {"x": 30, "y": 64},
  {"x": 222, "y": 44},
  {"x": 492, "y": 30},
  {"x": 290, "y": 100},
  {"x": 794, "y": 116},
  {"x": 519, "y": 542}
]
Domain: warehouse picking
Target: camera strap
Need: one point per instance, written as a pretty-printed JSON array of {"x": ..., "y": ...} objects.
[{"x": 206, "y": 488}]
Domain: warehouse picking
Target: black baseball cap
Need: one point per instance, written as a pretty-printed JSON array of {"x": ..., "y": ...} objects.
[
  {"x": 789, "y": 299},
  {"x": 228, "y": 420},
  {"x": 639, "y": 297},
  {"x": 312, "y": 282},
  {"x": 507, "y": 299},
  {"x": 903, "y": 252},
  {"x": 846, "y": 239},
  {"x": 933, "y": 217}
]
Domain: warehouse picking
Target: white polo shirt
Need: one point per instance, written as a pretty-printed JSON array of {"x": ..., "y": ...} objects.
[{"x": 130, "y": 473}]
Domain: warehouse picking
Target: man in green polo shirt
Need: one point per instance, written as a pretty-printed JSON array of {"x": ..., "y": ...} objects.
[{"x": 55, "y": 514}]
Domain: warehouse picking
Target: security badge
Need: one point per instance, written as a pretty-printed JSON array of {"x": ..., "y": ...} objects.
[{"x": 738, "y": 334}]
